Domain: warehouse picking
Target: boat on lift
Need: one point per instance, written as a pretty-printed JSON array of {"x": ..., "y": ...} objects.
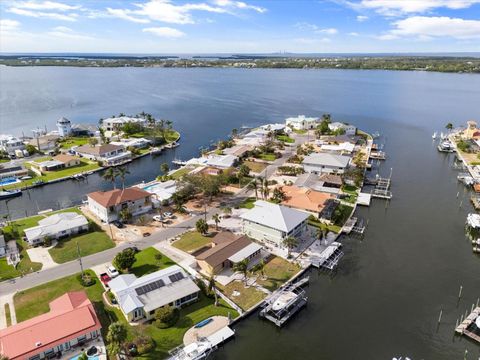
[{"x": 434, "y": 136}]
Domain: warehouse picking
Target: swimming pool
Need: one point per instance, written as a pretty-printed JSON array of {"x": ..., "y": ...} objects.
[
  {"x": 8, "y": 181},
  {"x": 95, "y": 357}
]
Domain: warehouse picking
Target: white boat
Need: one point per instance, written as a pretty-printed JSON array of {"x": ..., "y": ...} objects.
[
  {"x": 172, "y": 145},
  {"x": 434, "y": 136},
  {"x": 443, "y": 136},
  {"x": 284, "y": 300},
  {"x": 156, "y": 150}
]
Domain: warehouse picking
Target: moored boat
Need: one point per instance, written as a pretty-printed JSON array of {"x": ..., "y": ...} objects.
[{"x": 7, "y": 194}]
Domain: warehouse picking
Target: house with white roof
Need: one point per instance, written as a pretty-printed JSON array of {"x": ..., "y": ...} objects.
[
  {"x": 302, "y": 122},
  {"x": 56, "y": 226},
  {"x": 320, "y": 163},
  {"x": 138, "y": 298},
  {"x": 9, "y": 144},
  {"x": 160, "y": 190},
  {"x": 221, "y": 161},
  {"x": 272, "y": 223},
  {"x": 349, "y": 129},
  {"x": 116, "y": 123},
  {"x": 138, "y": 143}
]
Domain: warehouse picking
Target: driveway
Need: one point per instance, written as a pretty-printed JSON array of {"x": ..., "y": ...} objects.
[
  {"x": 7, "y": 299},
  {"x": 40, "y": 254}
]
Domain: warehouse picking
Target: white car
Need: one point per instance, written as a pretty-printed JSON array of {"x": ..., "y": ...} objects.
[
  {"x": 158, "y": 218},
  {"x": 112, "y": 271},
  {"x": 168, "y": 215}
]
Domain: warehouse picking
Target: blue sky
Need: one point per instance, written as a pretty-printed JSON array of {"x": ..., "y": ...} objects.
[{"x": 213, "y": 26}]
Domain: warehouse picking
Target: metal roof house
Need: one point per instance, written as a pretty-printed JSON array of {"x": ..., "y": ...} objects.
[
  {"x": 138, "y": 298},
  {"x": 56, "y": 226},
  {"x": 319, "y": 163},
  {"x": 272, "y": 223}
]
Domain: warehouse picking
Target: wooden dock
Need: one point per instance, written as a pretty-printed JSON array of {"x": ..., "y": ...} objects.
[
  {"x": 466, "y": 325},
  {"x": 475, "y": 199},
  {"x": 378, "y": 155}
]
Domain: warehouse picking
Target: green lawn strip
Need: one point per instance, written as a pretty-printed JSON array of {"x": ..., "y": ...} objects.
[
  {"x": 167, "y": 339},
  {"x": 277, "y": 272},
  {"x": 146, "y": 262},
  {"x": 180, "y": 172},
  {"x": 247, "y": 203},
  {"x": 256, "y": 167},
  {"x": 248, "y": 296},
  {"x": 267, "y": 157},
  {"x": 84, "y": 166},
  {"x": 72, "y": 209},
  {"x": 42, "y": 159},
  {"x": 349, "y": 189},
  {"x": 192, "y": 241},
  {"x": 318, "y": 224},
  {"x": 285, "y": 138},
  {"x": 8, "y": 316},
  {"x": 172, "y": 135},
  {"x": 73, "y": 141},
  {"x": 33, "y": 302},
  {"x": 90, "y": 243}
]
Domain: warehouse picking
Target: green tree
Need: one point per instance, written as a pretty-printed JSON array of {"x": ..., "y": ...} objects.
[
  {"x": 125, "y": 259},
  {"x": 116, "y": 336},
  {"x": 212, "y": 285},
  {"x": 290, "y": 243},
  {"x": 125, "y": 215},
  {"x": 83, "y": 356},
  {"x": 244, "y": 170},
  {"x": 216, "y": 219},
  {"x": 278, "y": 195},
  {"x": 122, "y": 173},
  {"x": 234, "y": 133},
  {"x": 201, "y": 226},
  {"x": 166, "y": 316},
  {"x": 110, "y": 175},
  {"x": 260, "y": 268},
  {"x": 449, "y": 126},
  {"x": 242, "y": 266},
  {"x": 227, "y": 210},
  {"x": 31, "y": 149},
  {"x": 93, "y": 141},
  {"x": 253, "y": 185},
  {"x": 164, "y": 168}
]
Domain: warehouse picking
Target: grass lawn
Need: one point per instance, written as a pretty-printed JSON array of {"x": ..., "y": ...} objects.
[
  {"x": 248, "y": 296},
  {"x": 318, "y": 224},
  {"x": 285, "y": 138},
  {"x": 89, "y": 243},
  {"x": 349, "y": 189},
  {"x": 248, "y": 203},
  {"x": 167, "y": 339},
  {"x": 267, "y": 157},
  {"x": 180, "y": 172},
  {"x": 85, "y": 165},
  {"x": 72, "y": 209},
  {"x": 146, "y": 262},
  {"x": 277, "y": 271},
  {"x": 8, "y": 316},
  {"x": 300, "y": 132},
  {"x": 256, "y": 167},
  {"x": 73, "y": 141},
  {"x": 32, "y": 302},
  {"x": 192, "y": 241},
  {"x": 172, "y": 135}
]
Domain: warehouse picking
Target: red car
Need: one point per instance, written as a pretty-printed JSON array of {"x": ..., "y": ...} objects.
[{"x": 104, "y": 278}]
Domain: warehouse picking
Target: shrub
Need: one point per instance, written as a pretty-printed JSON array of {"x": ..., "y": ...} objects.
[
  {"x": 125, "y": 259},
  {"x": 166, "y": 316},
  {"x": 144, "y": 344},
  {"x": 86, "y": 280},
  {"x": 158, "y": 257}
]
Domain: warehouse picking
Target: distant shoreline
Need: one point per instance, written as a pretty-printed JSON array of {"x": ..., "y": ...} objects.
[{"x": 448, "y": 64}]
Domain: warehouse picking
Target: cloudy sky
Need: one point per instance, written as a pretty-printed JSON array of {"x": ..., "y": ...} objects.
[{"x": 211, "y": 26}]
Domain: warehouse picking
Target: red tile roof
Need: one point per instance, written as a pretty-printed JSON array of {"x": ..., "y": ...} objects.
[
  {"x": 118, "y": 196},
  {"x": 71, "y": 315}
]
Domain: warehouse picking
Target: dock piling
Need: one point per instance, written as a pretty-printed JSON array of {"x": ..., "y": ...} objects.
[
  {"x": 440, "y": 316},
  {"x": 460, "y": 292}
]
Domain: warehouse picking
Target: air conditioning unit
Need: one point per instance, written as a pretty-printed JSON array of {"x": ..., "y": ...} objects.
[{"x": 38, "y": 343}]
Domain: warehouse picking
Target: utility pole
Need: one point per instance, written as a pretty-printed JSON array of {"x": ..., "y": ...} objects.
[{"x": 80, "y": 259}]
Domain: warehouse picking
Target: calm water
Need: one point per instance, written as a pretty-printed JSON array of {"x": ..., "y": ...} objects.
[{"x": 386, "y": 297}]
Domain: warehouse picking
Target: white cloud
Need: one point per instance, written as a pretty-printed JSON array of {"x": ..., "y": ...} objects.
[
  {"x": 353, "y": 34},
  {"x": 125, "y": 15},
  {"x": 239, "y": 5},
  {"x": 67, "y": 33},
  {"x": 312, "y": 40},
  {"x": 42, "y": 14},
  {"x": 329, "y": 31},
  {"x": 399, "y": 7},
  {"x": 362, "y": 18},
  {"x": 424, "y": 28},
  {"x": 45, "y": 5},
  {"x": 315, "y": 28},
  {"x": 166, "y": 32},
  {"x": 8, "y": 25}
]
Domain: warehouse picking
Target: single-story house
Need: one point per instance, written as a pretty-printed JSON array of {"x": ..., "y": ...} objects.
[
  {"x": 273, "y": 127},
  {"x": 107, "y": 205},
  {"x": 67, "y": 160},
  {"x": 227, "y": 250},
  {"x": 56, "y": 226},
  {"x": 138, "y": 143},
  {"x": 349, "y": 129},
  {"x": 331, "y": 180},
  {"x": 319, "y": 163},
  {"x": 305, "y": 199},
  {"x": 108, "y": 154},
  {"x": 345, "y": 147},
  {"x": 221, "y": 161},
  {"x": 44, "y": 142},
  {"x": 302, "y": 122},
  {"x": 313, "y": 181},
  {"x": 238, "y": 150},
  {"x": 84, "y": 130},
  {"x": 70, "y": 323},
  {"x": 138, "y": 298},
  {"x": 47, "y": 165},
  {"x": 116, "y": 123},
  {"x": 272, "y": 223},
  {"x": 161, "y": 191},
  {"x": 12, "y": 171}
]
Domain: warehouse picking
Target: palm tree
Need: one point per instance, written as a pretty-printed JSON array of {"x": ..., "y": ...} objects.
[
  {"x": 110, "y": 175},
  {"x": 265, "y": 189},
  {"x": 253, "y": 185},
  {"x": 164, "y": 168},
  {"x": 211, "y": 285},
  {"x": 260, "y": 268},
  {"x": 449, "y": 126},
  {"x": 201, "y": 226},
  {"x": 290, "y": 242},
  {"x": 242, "y": 266},
  {"x": 216, "y": 218},
  {"x": 116, "y": 336},
  {"x": 227, "y": 210},
  {"x": 122, "y": 173}
]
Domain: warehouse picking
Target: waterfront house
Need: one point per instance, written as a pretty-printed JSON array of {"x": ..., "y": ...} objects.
[
  {"x": 221, "y": 161},
  {"x": 138, "y": 298},
  {"x": 108, "y": 154},
  {"x": 331, "y": 180},
  {"x": 67, "y": 160},
  {"x": 58, "y": 162},
  {"x": 472, "y": 131},
  {"x": 56, "y": 226},
  {"x": 116, "y": 123},
  {"x": 238, "y": 150},
  {"x": 70, "y": 324},
  {"x": 138, "y": 143},
  {"x": 319, "y": 163},
  {"x": 317, "y": 183},
  {"x": 271, "y": 223},
  {"x": 161, "y": 191},
  {"x": 10, "y": 144},
  {"x": 12, "y": 172},
  {"x": 227, "y": 249},
  {"x": 349, "y": 129},
  {"x": 305, "y": 199},
  {"x": 107, "y": 205},
  {"x": 84, "y": 130},
  {"x": 302, "y": 122},
  {"x": 341, "y": 148}
]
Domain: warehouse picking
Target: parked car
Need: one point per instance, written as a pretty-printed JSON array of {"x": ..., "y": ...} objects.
[
  {"x": 118, "y": 224},
  {"x": 112, "y": 271},
  {"x": 145, "y": 234},
  {"x": 168, "y": 215},
  {"x": 158, "y": 218},
  {"x": 105, "y": 278}
]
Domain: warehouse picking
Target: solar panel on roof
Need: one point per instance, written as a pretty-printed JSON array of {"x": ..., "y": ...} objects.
[
  {"x": 150, "y": 287},
  {"x": 176, "y": 277}
]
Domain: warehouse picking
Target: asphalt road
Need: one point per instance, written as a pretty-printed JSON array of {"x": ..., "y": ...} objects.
[{"x": 73, "y": 267}]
